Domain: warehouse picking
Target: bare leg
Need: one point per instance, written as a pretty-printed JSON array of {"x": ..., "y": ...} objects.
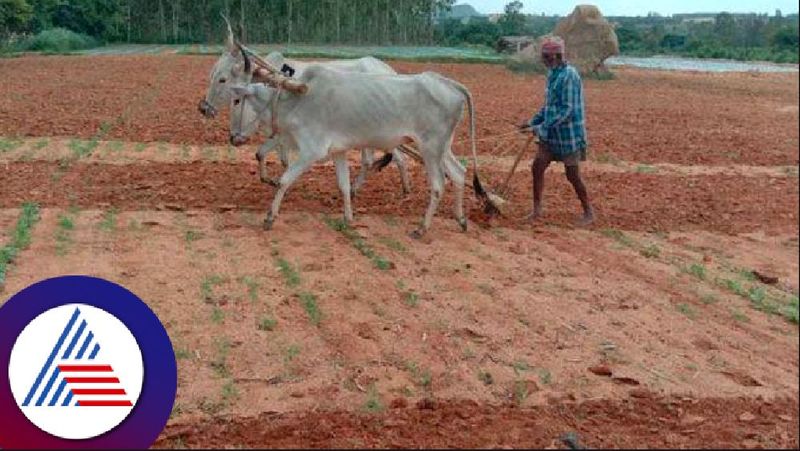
[
  {"x": 538, "y": 168},
  {"x": 400, "y": 160},
  {"x": 574, "y": 177},
  {"x": 343, "y": 177}
]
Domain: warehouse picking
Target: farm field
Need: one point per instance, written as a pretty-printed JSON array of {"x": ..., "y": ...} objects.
[{"x": 659, "y": 326}]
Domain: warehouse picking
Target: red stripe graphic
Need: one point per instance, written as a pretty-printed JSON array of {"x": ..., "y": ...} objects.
[
  {"x": 85, "y": 368},
  {"x": 98, "y": 391},
  {"x": 104, "y": 403},
  {"x": 92, "y": 380}
]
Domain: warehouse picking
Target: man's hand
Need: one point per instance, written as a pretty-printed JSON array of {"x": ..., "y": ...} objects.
[{"x": 525, "y": 127}]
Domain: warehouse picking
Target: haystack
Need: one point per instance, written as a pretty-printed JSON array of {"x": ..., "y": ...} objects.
[{"x": 589, "y": 38}]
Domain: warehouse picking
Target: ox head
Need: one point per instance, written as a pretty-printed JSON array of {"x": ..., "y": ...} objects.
[
  {"x": 228, "y": 70},
  {"x": 249, "y": 104}
]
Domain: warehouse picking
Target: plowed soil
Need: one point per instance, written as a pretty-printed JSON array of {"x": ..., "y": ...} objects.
[
  {"x": 645, "y": 116},
  {"x": 669, "y": 323}
]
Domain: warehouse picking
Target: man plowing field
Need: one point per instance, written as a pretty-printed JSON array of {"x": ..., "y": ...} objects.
[{"x": 561, "y": 128}]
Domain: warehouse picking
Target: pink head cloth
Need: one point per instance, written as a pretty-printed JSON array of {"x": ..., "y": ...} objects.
[{"x": 553, "y": 45}]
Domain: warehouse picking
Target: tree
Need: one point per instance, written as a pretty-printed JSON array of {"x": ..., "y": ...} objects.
[
  {"x": 513, "y": 21},
  {"x": 14, "y": 16}
]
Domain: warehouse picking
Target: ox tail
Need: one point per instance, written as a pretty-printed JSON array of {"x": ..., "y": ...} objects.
[
  {"x": 488, "y": 199},
  {"x": 383, "y": 162}
]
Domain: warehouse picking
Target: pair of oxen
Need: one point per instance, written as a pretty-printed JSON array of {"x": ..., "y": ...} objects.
[{"x": 324, "y": 109}]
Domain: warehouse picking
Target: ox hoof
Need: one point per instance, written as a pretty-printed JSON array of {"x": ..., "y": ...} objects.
[
  {"x": 258, "y": 158},
  {"x": 417, "y": 234},
  {"x": 268, "y": 223},
  {"x": 463, "y": 224}
]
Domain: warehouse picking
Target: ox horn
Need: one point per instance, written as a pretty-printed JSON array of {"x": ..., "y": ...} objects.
[
  {"x": 248, "y": 66},
  {"x": 231, "y": 38}
]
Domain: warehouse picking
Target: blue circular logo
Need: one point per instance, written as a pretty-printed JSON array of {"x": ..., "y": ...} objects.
[{"x": 84, "y": 363}]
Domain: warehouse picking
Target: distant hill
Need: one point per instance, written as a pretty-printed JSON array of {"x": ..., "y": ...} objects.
[{"x": 463, "y": 12}]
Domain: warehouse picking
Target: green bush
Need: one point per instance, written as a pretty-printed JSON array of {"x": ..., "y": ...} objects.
[{"x": 59, "y": 40}]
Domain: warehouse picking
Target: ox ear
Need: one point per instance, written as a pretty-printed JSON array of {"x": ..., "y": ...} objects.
[{"x": 243, "y": 90}]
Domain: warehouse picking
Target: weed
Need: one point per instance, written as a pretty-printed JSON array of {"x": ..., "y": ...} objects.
[
  {"x": 184, "y": 152},
  {"x": 267, "y": 324},
  {"x": 217, "y": 315},
  {"x": 81, "y": 148},
  {"x": 608, "y": 158},
  {"x": 520, "y": 366},
  {"x": 176, "y": 410},
  {"x": 739, "y": 316},
  {"x": 65, "y": 225},
  {"x": 41, "y": 144},
  {"x": 291, "y": 353},
  {"x": 208, "y": 284},
  {"x": 220, "y": 364},
  {"x": 309, "y": 302},
  {"x": 618, "y": 236},
  {"x": 252, "y": 287},
  {"x": 544, "y": 376},
  {"x": 651, "y": 251},
  {"x": 646, "y": 169},
  {"x": 210, "y": 407},
  {"x": 139, "y": 147},
  {"x": 192, "y": 235},
  {"x": 373, "y": 404},
  {"x": 469, "y": 353},
  {"x": 183, "y": 354},
  {"x": 109, "y": 221},
  {"x": 359, "y": 243},
  {"x": 790, "y": 311},
  {"x": 20, "y": 237},
  {"x": 229, "y": 392},
  {"x": 115, "y": 146},
  {"x": 487, "y": 289},
  {"x": 290, "y": 275},
  {"x": 697, "y": 270},
  {"x": 9, "y": 144},
  {"x": 393, "y": 244},
  {"x": 686, "y": 310},
  {"x": 411, "y": 299},
  {"x": 709, "y": 299},
  {"x": 521, "y": 392},
  {"x": 485, "y": 377}
]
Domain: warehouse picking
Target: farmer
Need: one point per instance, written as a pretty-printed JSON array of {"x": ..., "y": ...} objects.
[{"x": 560, "y": 126}]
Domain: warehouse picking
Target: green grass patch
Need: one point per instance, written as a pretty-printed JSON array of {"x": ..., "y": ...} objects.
[
  {"x": 289, "y": 273},
  {"x": 267, "y": 324},
  {"x": 697, "y": 270},
  {"x": 81, "y": 148},
  {"x": 651, "y": 251},
  {"x": 20, "y": 237},
  {"x": 63, "y": 236},
  {"x": 208, "y": 284},
  {"x": 392, "y": 244},
  {"x": 310, "y": 305},
  {"x": 646, "y": 169},
  {"x": 190, "y": 236},
  {"x": 9, "y": 144},
  {"x": 252, "y": 287},
  {"x": 619, "y": 236},
  {"x": 115, "y": 146},
  {"x": 359, "y": 243},
  {"x": 485, "y": 377},
  {"x": 220, "y": 362},
  {"x": 687, "y": 310},
  {"x": 411, "y": 299},
  {"x": 109, "y": 221},
  {"x": 373, "y": 403},
  {"x": 545, "y": 377},
  {"x": 139, "y": 147}
]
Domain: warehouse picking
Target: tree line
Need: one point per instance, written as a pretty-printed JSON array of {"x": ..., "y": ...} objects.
[{"x": 398, "y": 22}]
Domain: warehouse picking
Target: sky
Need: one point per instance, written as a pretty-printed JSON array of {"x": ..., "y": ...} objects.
[{"x": 641, "y": 8}]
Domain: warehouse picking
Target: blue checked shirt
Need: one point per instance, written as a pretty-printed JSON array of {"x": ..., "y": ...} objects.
[{"x": 561, "y": 122}]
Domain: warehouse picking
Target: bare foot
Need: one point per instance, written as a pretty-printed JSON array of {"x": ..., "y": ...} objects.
[
  {"x": 586, "y": 219},
  {"x": 534, "y": 216}
]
